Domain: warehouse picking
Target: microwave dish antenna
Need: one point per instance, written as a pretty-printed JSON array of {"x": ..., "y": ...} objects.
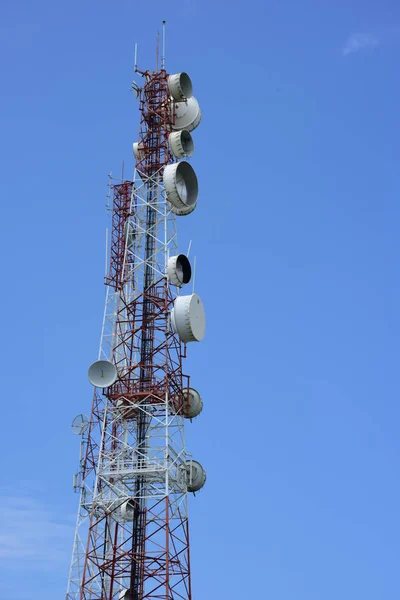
[
  {"x": 188, "y": 318},
  {"x": 180, "y": 86},
  {"x": 179, "y": 270},
  {"x": 80, "y": 424},
  {"x": 187, "y": 114},
  {"x": 181, "y": 186},
  {"x": 193, "y": 403},
  {"x": 138, "y": 150},
  {"x": 102, "y": 373},
  {"x": 196, "y": 475},
  {"x": 181, "y": 143}
]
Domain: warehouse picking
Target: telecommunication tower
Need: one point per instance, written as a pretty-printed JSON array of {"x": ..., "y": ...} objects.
[{"x": 132, "y": 536}]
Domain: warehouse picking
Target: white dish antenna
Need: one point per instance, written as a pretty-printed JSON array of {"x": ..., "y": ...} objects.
[
  {"x": 181, "y": 186},
  {"x": 187, "y": 114},
  {"x": 188, "y": 318},
  {"x": 102, "y": 373},
  {"x": 180, "y": 86},
  {"x": 179, "y": 270},
  {"x": 181, "y": 143},
  {"x": 196, "y": 476},
  {"x": 128, "y": 510},
  {"x": 138, "y": 150},
  {"x": 80, "y": 424},
  {"x": 193, "y": 403}
]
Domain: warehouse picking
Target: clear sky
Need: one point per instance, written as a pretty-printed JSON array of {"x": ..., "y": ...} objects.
[{"x": 296, "y": 237}]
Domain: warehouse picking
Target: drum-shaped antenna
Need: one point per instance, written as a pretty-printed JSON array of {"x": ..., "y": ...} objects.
[
  {"x": 181, "y": 143},
  {"x": 196, "y": 476},
  {"x": 188, "y": 318},
  {"x": 180, "y": 86},
  {"x": 80, "y": 424},
  {"x": 102, "y": 373},
  {"x": 128, "y": 510},
  {"x": 193, "y": 403},
  {"x": 187, "y": 115},
  {"x": 181, "y": 187},
  {"x": 179, "y": 270},
  {"x": 138, "y": 150}
]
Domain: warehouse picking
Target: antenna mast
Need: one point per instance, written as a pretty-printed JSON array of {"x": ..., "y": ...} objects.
[{"x": 132, "y": 536}]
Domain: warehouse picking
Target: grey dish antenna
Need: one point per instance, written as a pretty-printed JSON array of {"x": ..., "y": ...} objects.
[
  {"x": 179, "y": 270},
  {"x": 187, "y": 115},
  {"x": 180, "y": 86},
  {"x": 188, "y": 318},
  {"x": 102, "y": 373},
  {"x": 181, "y": 143},
  {"x": 80, "y": 424},
  {"x": 181, "y": 185}
]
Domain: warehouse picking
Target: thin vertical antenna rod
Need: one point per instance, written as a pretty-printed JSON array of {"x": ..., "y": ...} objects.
[
  {"x": 135, "y": 59},
  {"x": 109, "y": 186},
  {"x": 163, "y": 47},
  {"x": 157, "y": 49}
]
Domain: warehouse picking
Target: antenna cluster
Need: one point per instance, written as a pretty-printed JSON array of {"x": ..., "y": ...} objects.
[{"x": 131, "y": 539}]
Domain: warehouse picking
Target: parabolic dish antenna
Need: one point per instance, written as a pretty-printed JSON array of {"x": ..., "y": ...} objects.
[
  {"x": 181, "y": 143},
  {"x": 193, "y": 403},
  {"x": 102, "y": 373},
  {"x": 196, "y": 475},
  {"x": 187, "y": 114},
  {"x": 128, "y": 510},
  {"x": 138, "y": 150},
  {"x": 180, "y": 86},
  {"x": 181, "y": 186},
  {"x": 188, "y": 318},
  {"x": 179, "y": 270},
  {"x": 80, "y": 424}
]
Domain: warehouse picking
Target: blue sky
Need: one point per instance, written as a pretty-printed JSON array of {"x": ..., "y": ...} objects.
[{"x": 296, "y": 237}]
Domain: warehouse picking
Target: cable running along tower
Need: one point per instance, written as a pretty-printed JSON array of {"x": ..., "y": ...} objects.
[{"x": 132, "y": 537}]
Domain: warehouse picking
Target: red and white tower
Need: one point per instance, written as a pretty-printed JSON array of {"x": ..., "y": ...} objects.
[{"x": 132, "y": 534}]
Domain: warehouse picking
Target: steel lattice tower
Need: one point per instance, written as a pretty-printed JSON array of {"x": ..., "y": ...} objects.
[{"x": 132, "y": 537}]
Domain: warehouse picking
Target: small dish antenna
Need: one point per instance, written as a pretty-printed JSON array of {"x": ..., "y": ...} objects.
[
  {"x": 179, "y": 270},
  {"x": 193, "y": 403},
  {"x": 102, "y": 373},
  {"x": 138, "y": 150},
  {"x": 80, "y": 424},
  {"x": 195, "y": 474},
  {"x": 128, "y": 510}
]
